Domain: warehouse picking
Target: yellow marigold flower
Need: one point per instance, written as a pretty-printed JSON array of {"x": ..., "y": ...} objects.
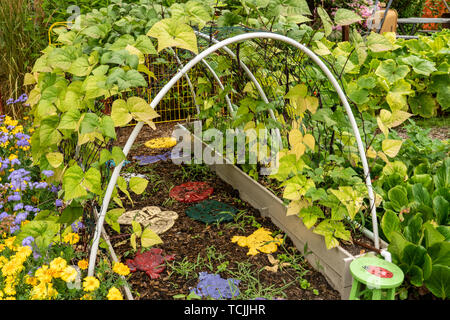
[
  {"x": 121, "y": 269},
  {"x": 2, "y": 247},
  {"x": 24, "y": 251},
  {"x": 17, "y": 129},
  {"x": 10, "y": 122},
  {"x": 9, "y": 242},
  {"x": 58, "y": 265},
  {"x": 31, "y": 280},
  {"x": 10, "y": 298},
  {"x": 26, "y": 221},
  {"x": 3, "y": 260},
  {"x": 9, "y": 290},
  {"x": 69, "y": 274},
  {"x": 83, "y": 264},
  {"x": 51, "y": 292},
  {"x": 41, "y": 291},
  {"x": 164, "y": 142},
  {"x": 71, "y": 238},
  {"x": 44, "y": 274},
  {"x": 12, "y": 157},
  {"x": 11, "y": 268},
  {"x": 90, "y": 284},
  {"x": 114, "y": 294},
  {"x": 10, "y": 280}
]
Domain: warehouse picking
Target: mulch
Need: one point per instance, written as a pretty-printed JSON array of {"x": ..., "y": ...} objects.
[{"x": 189, "y": 239}]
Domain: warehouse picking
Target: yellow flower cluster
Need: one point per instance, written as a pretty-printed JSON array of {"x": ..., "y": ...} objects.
[
  {"x": 71, "y": 238},
  {"x": 42, "y": 282},
  {"x": 11, "y": 268},
  {"x": 121, "y": 269},
  {"x": 259, "y": 241},
  {"x": 114, "y": 294},
  {"x": 159, "y": 143},
  {"x": 7, "y": 122}
]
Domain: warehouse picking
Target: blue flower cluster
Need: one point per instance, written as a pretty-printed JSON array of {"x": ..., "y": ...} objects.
[
  {"x": 22, "y": 98},
  {"x": 215, "y": 287},
  {"x": 17, "y": 190}
]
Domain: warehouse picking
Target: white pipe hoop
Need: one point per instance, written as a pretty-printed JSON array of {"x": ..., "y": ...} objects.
[{"x": 185, "y": 69}]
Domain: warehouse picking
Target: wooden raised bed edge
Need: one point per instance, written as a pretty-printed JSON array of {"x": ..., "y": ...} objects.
[{"x": 333, "y": 263}]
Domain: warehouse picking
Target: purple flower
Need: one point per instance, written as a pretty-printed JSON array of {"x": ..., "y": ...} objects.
[
  {"x": 23, "y": 98},
  {"x": 18, "y": 207},
  {"x": 77, "y": 226},
  {"x": 38, "y": 185},
  {"x": 59, "y": 203},
  {"x": 48, "y": 173},
  {"x": 15, "y": 197},
  {"x": 13, "y": 229},
  {"x": 29, "y": 208},
  {"x": 9, "y": 101},
  {"x": 3, "y": 215},
  {"x": 20, "y": 217},
  {"x": 27, "y": 242},
  {"x": 23, "y": 143},
  {"x": 15, "y": 161},
  {"x": 36, "y": 255},
  {"x": 213, "y": 286}
]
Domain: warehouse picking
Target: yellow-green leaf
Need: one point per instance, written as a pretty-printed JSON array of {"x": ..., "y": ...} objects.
[
  {"x": 171, "y": 33},
  {"x": 308, "y": 139},
  {"x": 55, "y": 159},
  {"x": 294, "y": 207},
  {"x": 138, "y": 185},
  {"x": 295, "y": 137},
  {"x": 149, "y": 238},
  {"x": 391, "y": 147}
]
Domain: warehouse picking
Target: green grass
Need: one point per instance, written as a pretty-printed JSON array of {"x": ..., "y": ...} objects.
[{"x": 251, "y": 286}]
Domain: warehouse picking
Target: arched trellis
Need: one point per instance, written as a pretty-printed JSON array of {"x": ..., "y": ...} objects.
[{"x": 183, "y": 71}]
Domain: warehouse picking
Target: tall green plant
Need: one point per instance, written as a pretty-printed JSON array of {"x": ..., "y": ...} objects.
[{"x": 20, "y": 42}]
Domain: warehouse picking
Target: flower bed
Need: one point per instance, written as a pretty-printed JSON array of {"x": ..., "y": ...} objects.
[{"x": 41, "y": 258}]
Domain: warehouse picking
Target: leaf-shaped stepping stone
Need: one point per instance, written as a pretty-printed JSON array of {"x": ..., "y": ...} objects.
[
  {"x": 160, "y": 143},
  {"x": 152, "y": 262},
  {"x": 143, "y": 160},
  {"x": 191, "y": 192},
  {"x": 157, "y": 220},
  {"x": 211, "y": 211}
]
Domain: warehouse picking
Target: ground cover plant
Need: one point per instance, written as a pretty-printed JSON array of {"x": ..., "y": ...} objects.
[{"x": 55, "y": 173}]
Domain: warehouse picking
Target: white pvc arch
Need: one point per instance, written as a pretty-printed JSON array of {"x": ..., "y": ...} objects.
[{"x": 184, "y": 70}]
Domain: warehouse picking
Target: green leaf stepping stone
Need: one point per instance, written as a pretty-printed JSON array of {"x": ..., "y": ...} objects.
[
  {"x": 211, "y": 211},
  {"x": 380, "y": 277}
]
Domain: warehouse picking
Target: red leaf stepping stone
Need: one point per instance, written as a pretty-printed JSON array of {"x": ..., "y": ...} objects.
[
  {"x": 191, "y": 192},
  {"x": 151, "y": 262}
]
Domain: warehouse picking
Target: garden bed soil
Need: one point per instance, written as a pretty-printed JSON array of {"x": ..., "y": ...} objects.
[{"x": 189, "y": 239}]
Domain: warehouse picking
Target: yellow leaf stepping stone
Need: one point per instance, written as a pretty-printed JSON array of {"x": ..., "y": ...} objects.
[
  {"x": 259, "y": 241},
  {"x": 160, "y": 143}
]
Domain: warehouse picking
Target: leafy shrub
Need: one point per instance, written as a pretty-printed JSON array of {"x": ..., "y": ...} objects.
[{"x": 416, "y": 223}]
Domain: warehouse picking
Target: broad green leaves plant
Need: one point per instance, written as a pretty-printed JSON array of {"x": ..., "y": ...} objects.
[
  {"x": 416, "y": 223},
  {"x": 171, "y": 33}
]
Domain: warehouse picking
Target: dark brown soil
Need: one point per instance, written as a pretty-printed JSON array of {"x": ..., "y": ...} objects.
[{"x": 193, "y": 241}]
